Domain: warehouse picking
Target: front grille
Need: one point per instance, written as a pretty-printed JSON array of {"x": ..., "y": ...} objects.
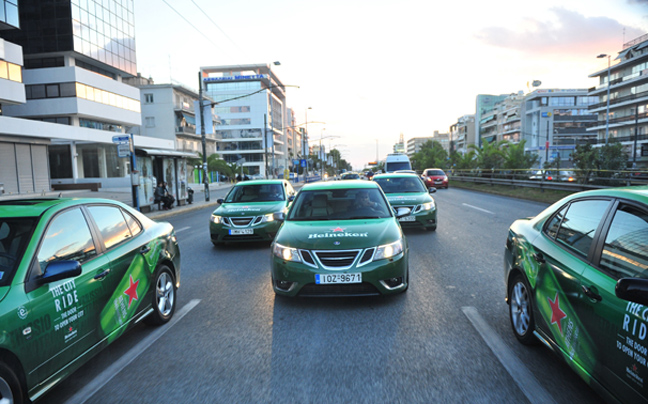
[
  {"x": 241, "y": 221},
  {"x": 366, "y": 257},
  {"x": 245, "y": 237},
  {"x": 308, "y": 258},
  {"x": 337, "y": 259},
  {"x": 352, "y": 289}
]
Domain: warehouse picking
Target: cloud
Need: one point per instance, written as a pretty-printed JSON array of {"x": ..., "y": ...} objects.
[{"x": 570, "y": 34}]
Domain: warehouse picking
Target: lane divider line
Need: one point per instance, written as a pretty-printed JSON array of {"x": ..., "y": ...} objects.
[
  {"x": 479, "y": 209},
  {"x": 526, "y": 381},
  {"x": 183, "y": 229},
  {"x": 111, "y": 371}
]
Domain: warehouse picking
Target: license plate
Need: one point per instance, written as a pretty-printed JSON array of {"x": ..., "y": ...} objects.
[
  {"x": 238, "y": 232},
  {"x": 406, "y": 219},
  {"x": 322, "y": 279},
  {"x": 438, "y": 181}
]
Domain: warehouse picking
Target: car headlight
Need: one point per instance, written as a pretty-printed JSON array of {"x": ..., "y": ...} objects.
[
  {"x": 427, "y": 206},
  {"x": 268, "y": 218},
  {"x": 388, "y": 250},
  {"x": 286, "y": 253},
  {"x": 216, "y": 219}
]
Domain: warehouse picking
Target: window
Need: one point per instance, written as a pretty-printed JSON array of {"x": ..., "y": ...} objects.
[
  {"x": 67, "y": 238},
  {"x": 111, "y": 224},
  {"x": 134, "y": 226},
  {"x": 579, "y": 225},
  {"x": 148, "y": 98},
  {"x": 150, "y": 121},
  {"x": 625, "y": 252}
]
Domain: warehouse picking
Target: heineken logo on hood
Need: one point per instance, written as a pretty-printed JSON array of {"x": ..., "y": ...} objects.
[
  {"x": 400, "y": 198},
  {"x": 337, "y": 232},
  {"x": 243, "y": 209}
]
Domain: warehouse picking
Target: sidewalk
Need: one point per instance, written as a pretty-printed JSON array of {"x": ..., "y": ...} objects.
[{"x": 125, "y": 196}]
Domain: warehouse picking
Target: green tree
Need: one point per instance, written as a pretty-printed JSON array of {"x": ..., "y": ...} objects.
[
  {"x": 516, "y": 158},
  {"x": 489, "y": 156},
  {"x": 465, "y": 161},
  {"x": 602, "y": 161},
  {"x": 432, "y": 154}
]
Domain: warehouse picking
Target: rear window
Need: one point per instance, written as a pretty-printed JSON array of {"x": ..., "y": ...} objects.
[
  {"x": 397, "y": 165},
  {"x": 15, "y": 234}
]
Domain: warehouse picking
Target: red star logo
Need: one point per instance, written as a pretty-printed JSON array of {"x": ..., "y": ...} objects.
[
  {"x": 132, "y": 291},
  {"x": 70, "y": 329},
  {"x": 634, "y": 367},
  {"x": 556, "y": 313},
  {"x": 337, "y": 229}
]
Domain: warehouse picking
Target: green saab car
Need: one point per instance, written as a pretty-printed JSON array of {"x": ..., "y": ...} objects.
[
  {"x": 407, "y": 190},
  {"x": 74, "y": 275},
  {"x": 577, "y": 280},
  {"x": 248, "y": 212},
  {"x": 340, "y": 239}
]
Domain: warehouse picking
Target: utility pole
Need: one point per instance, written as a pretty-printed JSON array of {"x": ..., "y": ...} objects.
[
  {"x": 202, "y": 135},
  {"x": 265, "y": 143}
]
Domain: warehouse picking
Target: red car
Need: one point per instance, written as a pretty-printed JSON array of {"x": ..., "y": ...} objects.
[{"x": 435, "y": 177}]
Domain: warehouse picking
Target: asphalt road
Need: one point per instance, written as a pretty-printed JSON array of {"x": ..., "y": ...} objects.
[{"x": 447, "y": 340}]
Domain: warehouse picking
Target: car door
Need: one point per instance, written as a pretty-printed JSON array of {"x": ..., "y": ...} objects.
[
  {"x": 619, "y": 328},
  {"x": 68, "y": 309},
  {"x": 132, "y": 259},
  {"x": 561, "y": 252}
]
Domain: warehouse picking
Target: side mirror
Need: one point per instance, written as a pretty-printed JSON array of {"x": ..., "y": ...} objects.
[
  {"x": 632, "y": 289},
  {"x": 401, "y": 212},
  {"x": 57, "y": 270},
  {"x": 279, "y": 216},
  {"x": 219, "y": 201},
  {"x": 432, "y": 190},
  {"x": 291, "y": 198}
]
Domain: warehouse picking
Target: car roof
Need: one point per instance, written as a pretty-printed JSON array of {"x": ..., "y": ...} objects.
[
  {"x": 395, "y": 175},
  {"x": 325, "y": 186},
  {"x": 35, "y": 207},
  {"x": 637, "y": 193},
  {"x": 259, "y": 182}
]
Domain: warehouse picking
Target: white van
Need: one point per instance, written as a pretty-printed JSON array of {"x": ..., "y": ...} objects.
[{"x": 396, "y": 162}]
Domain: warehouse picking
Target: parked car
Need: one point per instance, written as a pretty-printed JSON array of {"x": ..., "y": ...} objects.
[
  {"x": 553, "y": 175},
  {"x": 577, "y": 280},
  {"x": 435, "y": 177},
  {"x": 340, "y": 239},
  {"x": 75, "y": 274}
]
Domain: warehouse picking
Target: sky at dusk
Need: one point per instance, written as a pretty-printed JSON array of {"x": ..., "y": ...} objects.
[{"x": 372, "y": 70}]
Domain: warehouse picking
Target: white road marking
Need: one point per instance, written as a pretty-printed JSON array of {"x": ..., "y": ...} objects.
[
  {"x": 525, "y": 380},
  {"x": 479, "y": 209},
  {"x": 183, "y": 229},
  {"x": 111, "y": 371}
]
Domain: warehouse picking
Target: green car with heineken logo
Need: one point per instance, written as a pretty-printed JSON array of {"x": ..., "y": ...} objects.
[
  {"x": 409, "y": 191},
  {"x": 340, "y": 239},
  {"x": 249, "y": 211},
  {"x": 577, "y": 280},
  {"x": 75, "y": 274}
]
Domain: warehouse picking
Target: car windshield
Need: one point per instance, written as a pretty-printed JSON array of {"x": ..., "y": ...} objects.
[
  {"x": 435, "y": 173},
  {"x": 395, "y": 185},
  {"x": 255, "y": 193},
  {"x": 351, "y": 203},
  {"x": 15, "y": 234}
]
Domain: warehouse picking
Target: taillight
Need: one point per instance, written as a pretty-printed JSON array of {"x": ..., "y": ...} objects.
[
  {"x": 570, "y": 179},
  {"x": 549, "y": 178}
]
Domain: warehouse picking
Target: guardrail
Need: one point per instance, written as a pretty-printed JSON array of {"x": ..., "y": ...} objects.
[{"x": 573, "y": 181}]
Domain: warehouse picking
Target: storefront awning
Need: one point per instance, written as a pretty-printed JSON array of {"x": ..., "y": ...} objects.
[
  {"x": 165, "y": 153},
  {"x": 190, "y": 119}
]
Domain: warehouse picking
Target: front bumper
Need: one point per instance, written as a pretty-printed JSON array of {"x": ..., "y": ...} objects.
[
  {"x": 298, "y": 279},
  {"x": 426, "y": 219},
  {"x": 260, "y": 232}
]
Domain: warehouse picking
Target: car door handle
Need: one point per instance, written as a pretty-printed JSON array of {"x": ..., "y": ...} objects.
[
  {"x": 101, "y": 275},
  {"x": 145, "y": 249},
  {"x": 539, "y": 257},
  {"x": 591, "y": 293}
]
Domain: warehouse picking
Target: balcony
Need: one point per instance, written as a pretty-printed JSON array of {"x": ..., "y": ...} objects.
[{"x": 638, "y": 97}]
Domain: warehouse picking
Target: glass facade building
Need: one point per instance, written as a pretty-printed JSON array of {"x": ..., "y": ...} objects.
[
  {"x": 9, "y": 14},
  {"x": 103, "y": 30}
]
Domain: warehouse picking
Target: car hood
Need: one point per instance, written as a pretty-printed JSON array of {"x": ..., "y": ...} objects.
[
  {"x": 409, "y": 198},
  {"x": 249, "y": 208},
  {"x": 3, "y": 291},
  {"x": 339, "y": 234}
]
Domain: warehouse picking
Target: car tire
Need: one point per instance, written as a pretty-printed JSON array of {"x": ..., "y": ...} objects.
[
  {"x": 164, "y": 297},
  {"x": 10, "y": 389},
  {"x": 521, "y": 310}
]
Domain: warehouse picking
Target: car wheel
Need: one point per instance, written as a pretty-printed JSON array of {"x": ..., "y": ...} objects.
[
  {"x": 164, "y": 297},
  {"x": 521, "y": 310},
  {"x": 10, "y": 390}
]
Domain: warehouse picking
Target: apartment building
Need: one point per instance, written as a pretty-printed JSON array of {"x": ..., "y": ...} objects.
[
  {"x": 414, "y": 145},
  {"x": 462, "y": 134},
  {"x": 627, "y": 86},
  {"x": 252, "y": 109}
]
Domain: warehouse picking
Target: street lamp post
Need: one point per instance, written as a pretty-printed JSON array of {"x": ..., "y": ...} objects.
[
  {"x": 202, "y": 135},
  {"x": 607, "y": 108}
]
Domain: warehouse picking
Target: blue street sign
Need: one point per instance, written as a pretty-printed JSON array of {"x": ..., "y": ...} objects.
[
  {"x": 121, "y": 139},
  {"x": 303, "y": 163}
]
